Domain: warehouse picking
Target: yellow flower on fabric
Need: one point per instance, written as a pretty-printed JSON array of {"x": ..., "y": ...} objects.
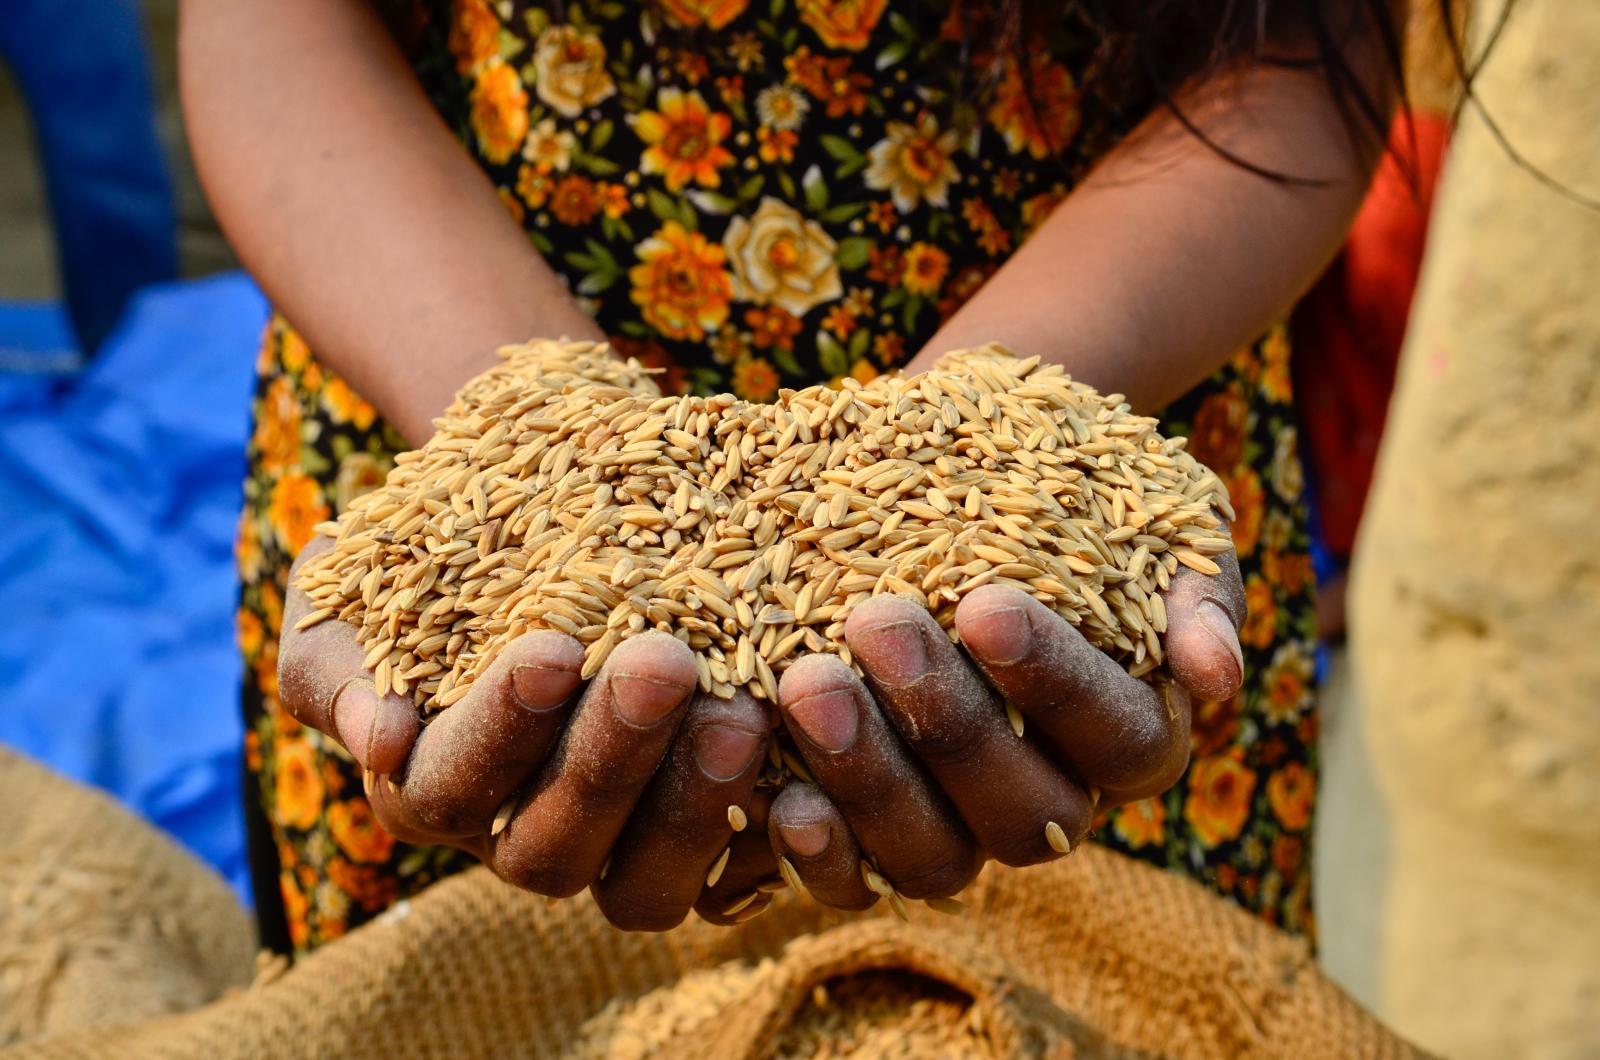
[
  {"x": 782, "y": 107},
  {"x": 534, "y": 185},
  {"x": 925, "y": 267},
  {"x": 846, "y": 24},
  {"x": 1039, "y": 115},
  {"x": 1140, "y": 824},
  {"x": 1220, "y": 788},
  {"x": 914, "y": 164},
  {"x": 1276, "y": 384},
  {"x": 780, "y": 258},
  {"x": 358, "y": 473},
  {"x": 474, "y": 34},
  {"x": 247, "y": 547},
  {"x": 549, "y": 148},
  {"x": 614, "y": 200},
  {"x": 346, "y": 406},
  {"x": 298, "y": 784},
  {"x": 755, "y": 379},
  {"x": 1290, "y": 792},
  {"x": 1249, "y": 503},
  {"x": 1289, "y": 680},
  {"x": 1261, "y": 614},
  {"x": 499, "y": 111},
  {"x": 776, "y": 145},
  {"x": 276, "y": 437},
  {"x": 570, "y": 70},
  {"x": 712, "y": 13},
  {"x": 685, "y": 138},
  {"x": 746, "y": 50},
  {"x": 358, "y": 832},
  {"x": 295, "y": 353},
  {"x": 249, "y": 634},
  {"x": 296, "y": 508},
  {"x": 1287, "y": 477},
  {"x": 681, "y": 284}
]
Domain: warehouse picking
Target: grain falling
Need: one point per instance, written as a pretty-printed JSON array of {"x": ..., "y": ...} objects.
[{"x": 562, "y": 491}]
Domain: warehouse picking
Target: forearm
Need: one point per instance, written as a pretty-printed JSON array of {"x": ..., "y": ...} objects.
[
  {"x": 1167, "y": 258},
  {"x": 353, "y": 205}
]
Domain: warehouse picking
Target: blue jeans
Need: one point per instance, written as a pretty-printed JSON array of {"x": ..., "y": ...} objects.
[{"x": 83, "y": 67}]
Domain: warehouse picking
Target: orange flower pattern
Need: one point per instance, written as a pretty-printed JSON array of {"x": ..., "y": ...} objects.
[
  {"x": 761, "y": 196},
  {"x": 685, "y": 140}
]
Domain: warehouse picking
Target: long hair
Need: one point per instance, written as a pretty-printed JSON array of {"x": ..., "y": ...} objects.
[{"x": 1149, "y": 50}]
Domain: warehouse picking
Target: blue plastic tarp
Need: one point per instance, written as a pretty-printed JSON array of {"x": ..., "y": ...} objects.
[{"x": 119, "y": 494}]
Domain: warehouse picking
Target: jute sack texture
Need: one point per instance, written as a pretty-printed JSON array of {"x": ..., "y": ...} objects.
[{"x": 1092, "y": 956}]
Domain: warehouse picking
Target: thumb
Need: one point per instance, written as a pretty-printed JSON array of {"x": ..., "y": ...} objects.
[
  {"x": 321, "y": 683},
  {"x": 1204, "y": 613}
]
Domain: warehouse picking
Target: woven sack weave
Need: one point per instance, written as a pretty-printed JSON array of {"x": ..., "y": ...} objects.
[{"x": 1092, "y": 956}]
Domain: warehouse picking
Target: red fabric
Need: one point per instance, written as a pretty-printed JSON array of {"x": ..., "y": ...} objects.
[{"x": 1348, "y": 330}]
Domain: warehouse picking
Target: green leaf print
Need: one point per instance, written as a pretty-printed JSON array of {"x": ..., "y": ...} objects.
[
  {"x": 601, "y": 134},
  {"x": 853, "y": 252},
  {"x": 858, "y": 344},
  {"x": 834, "y": 359},
  {"x": 711, "y": 202},
  {"x": 845, "y": 211},
  {"x": 785, "y": 361},
  {"x": 666, "y": 208},
  {"x": 816, "y": 189}
]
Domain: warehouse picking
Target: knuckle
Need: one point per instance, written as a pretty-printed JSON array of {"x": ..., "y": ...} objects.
[
  {"x": 611, "y": 788},
  {"x": 946, "y": 740},
  {"x": 939, "y": 880},
  {"x": 444, "y": 815},
  {"x": 536, "y": 871},
  {"x": 1148, "y": 758},
  {"x": 631, "y": 909}
]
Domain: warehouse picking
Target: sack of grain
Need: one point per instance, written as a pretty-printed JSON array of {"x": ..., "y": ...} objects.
[
  {"x": 1092, "y": 956},
  {"x": 562, "y": 491}
]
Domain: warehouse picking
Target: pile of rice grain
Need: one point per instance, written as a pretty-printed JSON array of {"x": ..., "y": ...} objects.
[{"x": 562, "y": 491}]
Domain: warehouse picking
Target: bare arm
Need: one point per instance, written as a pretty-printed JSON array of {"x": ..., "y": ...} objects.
[
  {"x": 1167, "y": 257},
  {"x": 354, "y": 206}
]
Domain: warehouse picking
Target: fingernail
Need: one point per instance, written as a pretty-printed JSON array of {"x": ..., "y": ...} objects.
[
  {"x": 724, "y": 752},
  {"x": 644, "y": 701},
  {"x": 828, "y": 719},
  {"x": 897, "y": 652},
  {"x": 1002, "y": 636},
  {"x": 1220, "y": 626},
  {"x": 807, "y": 840},
  {"x": 355, "y": 715},
  {"x": 541, "y": 687}
]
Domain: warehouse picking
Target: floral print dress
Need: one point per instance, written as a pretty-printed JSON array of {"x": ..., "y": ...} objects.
[{"x": 753, "y": 194}]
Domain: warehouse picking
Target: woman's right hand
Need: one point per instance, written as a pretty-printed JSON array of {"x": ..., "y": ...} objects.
[{"x": 622, "y": 783}]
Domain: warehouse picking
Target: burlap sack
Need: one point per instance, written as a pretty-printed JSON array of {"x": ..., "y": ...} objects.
[
  {"x": 103, "y": 919},
  {"x": 1094, "y": 956}
]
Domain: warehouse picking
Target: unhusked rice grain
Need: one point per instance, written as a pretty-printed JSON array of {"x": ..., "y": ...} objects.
[{"x": 562, "y": 491}]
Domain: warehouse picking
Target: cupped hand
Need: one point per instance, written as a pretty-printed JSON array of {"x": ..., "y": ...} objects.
[
  {"x": 621, "y": 784},
  {"x": 920, "y": 774}
]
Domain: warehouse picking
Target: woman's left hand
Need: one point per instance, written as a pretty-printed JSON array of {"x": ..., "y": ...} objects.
[{"x": 919, "y": 769}]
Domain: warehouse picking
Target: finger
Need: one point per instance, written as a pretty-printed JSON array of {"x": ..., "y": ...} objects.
[
  {"x": 1008, "y": 791},
  {"x": 561, "y": 833},
  {"x": 750, "y": 879},
  {"x": 321, "y": 683},
  {"x": 891, "y": 805},
  {"x": 680, "y": 829},
  {"x": 809, "y": 832},
  {"x": 1119, "y": 733},
  {"x": 474, "y": 755},
  {"x": 1204, "y": 613}
]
